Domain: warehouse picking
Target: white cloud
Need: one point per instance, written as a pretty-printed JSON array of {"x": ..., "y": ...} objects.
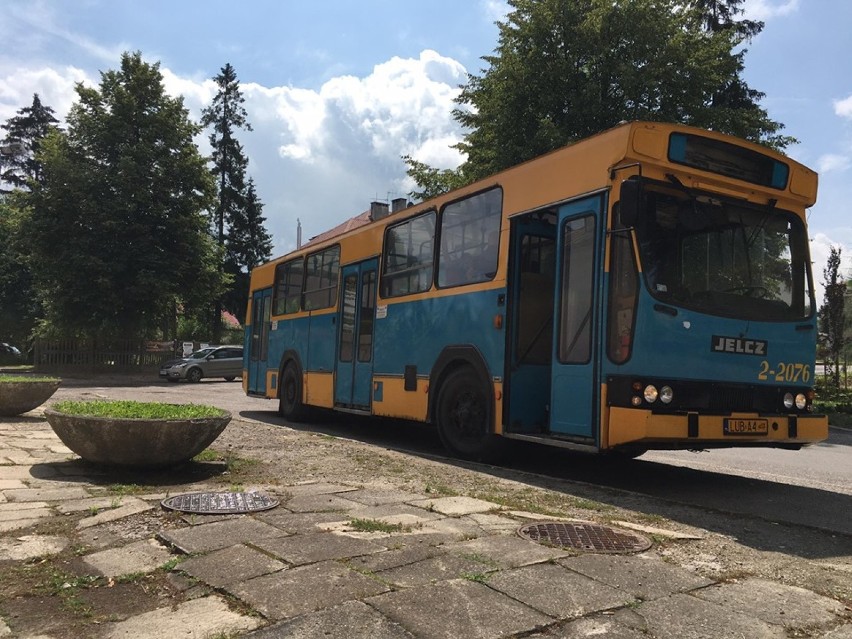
[
  {"x": 196, "y": 93},
  {"x": 320, "y": 156},
  {"x": 55, "y": 88},
  {"x": 843, "y": 108},
  {"x": 767, "y": 9},
  {"x": 833, "y": 162},
  {"x": 400, "y": 108}
]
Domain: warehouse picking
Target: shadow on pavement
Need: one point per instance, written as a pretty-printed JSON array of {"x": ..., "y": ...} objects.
[
  {"x": 77, "y": 470},
  {"x": 757, "y": 512}
]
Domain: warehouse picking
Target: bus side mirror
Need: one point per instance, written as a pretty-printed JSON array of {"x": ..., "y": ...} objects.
[{"x": 630, "y": 202}]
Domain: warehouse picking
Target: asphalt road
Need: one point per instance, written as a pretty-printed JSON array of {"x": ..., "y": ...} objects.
[{"x": 811, "y": 487}]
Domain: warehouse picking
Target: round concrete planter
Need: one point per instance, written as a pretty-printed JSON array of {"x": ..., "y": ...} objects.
[
  {"x": 136, "y": 442},
  {"x": 20, "y": 397}
]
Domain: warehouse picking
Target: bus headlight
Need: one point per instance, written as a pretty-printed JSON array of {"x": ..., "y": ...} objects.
[
  {"x": 666, "y": 394},
  {"x": 651, "y": 393},
  {"x": 788, "y": 401},
  {"x": 801, "y": 401}
]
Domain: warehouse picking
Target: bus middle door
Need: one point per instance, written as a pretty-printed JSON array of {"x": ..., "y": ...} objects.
[
  {"x": 353, "y": 383},
  {"x": 574, "y": 385}
]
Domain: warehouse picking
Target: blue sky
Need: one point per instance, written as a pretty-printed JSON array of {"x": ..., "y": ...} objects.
[{"x": 338, "y": 90}]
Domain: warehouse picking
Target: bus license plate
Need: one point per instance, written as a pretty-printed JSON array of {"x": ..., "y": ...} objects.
[{"x": 734, "y": 426}]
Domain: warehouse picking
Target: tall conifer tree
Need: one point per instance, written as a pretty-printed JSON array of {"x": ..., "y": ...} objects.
[
  {"x": 238, "y": 218},
  {"x": 832, "y": 316},
  {"x": 19, "y": 165}
]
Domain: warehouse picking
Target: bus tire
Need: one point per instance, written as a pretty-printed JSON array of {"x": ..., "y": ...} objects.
[
  {"x": 290, "y": 405},
  {"x": 463, "y": 417}
]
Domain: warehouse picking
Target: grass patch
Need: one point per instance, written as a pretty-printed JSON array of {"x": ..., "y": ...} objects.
[
  {"x": 130, "y": 577},
  {"x": 208, "y": 455},
  {"x": 440, "y": 489},
  {"x": 127, "y": 409},
  {"x": 478, "y": 577},
  {"x": 375, "y": 525},
  {"x": 123, "y": 489},
  {"x": 173, "y": 563},
  {"x": 480, "y": 559},
  {"x": 27, "y": 378}
]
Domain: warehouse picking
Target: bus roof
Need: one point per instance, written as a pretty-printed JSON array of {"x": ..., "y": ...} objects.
[{"x": 588, "y": 164}]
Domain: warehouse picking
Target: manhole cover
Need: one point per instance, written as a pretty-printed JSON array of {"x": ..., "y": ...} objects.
[
  {"x": 220, "y": 503},
  {"x": 584, "y": 536}
]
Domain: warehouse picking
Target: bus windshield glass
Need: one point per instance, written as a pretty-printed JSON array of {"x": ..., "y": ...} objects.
[{"x": 725, "y": 258}]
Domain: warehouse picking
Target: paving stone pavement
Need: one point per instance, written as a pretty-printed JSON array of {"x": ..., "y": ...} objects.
[{"x": 444, "y": 567}]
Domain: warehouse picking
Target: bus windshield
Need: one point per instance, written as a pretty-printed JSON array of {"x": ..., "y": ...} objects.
[{"x": 725, "y": 258}]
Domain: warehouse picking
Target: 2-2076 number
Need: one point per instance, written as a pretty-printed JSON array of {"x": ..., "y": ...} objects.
[{"x": 784, "y": 372}]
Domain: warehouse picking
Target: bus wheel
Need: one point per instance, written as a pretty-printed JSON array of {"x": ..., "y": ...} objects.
[
  {"x": 290, "y": 394},
  {"x": 464, "y": 417}
]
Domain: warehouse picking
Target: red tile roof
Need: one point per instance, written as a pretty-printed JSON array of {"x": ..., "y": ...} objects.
[{"x": 340, "y": 229}]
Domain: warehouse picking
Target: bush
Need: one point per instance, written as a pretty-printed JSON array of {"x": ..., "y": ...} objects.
[{"x": 830, "y": 399}]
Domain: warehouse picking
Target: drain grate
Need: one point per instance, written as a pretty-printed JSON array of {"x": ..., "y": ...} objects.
[
  {"x": 220, "y": 503},
  {"x": 584, "y": 536}
]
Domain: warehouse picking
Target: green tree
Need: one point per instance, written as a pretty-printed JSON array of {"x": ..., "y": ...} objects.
[
  {"x": 247, "y": 245},
  {"x": 735, "y": 101},
  {"x": 19, "y": 308},
  {"x": 238, "y": 219},
  {"x": 20, "y": 168},
  {"x": 721, "y": 15},
  {"x": 567, "y": 69},
  {"x": 831, "y": 315},
  {"x": 117, "y": 231},
  {"x": 19, "y": 165},
  {"x": 432, "y": 181}
]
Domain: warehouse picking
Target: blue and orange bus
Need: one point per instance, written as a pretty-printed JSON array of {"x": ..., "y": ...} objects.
[{"x": 645, "y": 288}]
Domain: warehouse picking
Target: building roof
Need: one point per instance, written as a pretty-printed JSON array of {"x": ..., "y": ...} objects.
[{"x": 340, "y": 229}]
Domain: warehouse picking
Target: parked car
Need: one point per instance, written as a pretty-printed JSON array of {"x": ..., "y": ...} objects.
[
  {"x": 215, "y": 361},
  {"x": 10, "y": 354}
]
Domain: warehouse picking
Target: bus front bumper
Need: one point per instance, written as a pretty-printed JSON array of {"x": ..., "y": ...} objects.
[{"x": 633, "y": 426}]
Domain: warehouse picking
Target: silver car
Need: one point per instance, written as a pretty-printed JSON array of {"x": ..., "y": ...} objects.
[{"x": 219, "y": 361}]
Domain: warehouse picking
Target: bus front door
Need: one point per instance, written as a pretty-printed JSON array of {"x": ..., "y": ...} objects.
[
  {"x": 574, "y": 386},
  {"x": 353, "y": 380},
  {"x": 258, "y": 349}
]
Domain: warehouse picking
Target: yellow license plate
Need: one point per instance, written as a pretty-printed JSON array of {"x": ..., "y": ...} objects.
[{"x": 736, "y": 426}]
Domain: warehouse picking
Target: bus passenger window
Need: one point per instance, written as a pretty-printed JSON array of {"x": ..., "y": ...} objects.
[
  {"x": 321, "y": 279},
  {"x": 408, "y": 256},
  {"x": 470, "y": 239},
  {"x": 288, "y": 287}
]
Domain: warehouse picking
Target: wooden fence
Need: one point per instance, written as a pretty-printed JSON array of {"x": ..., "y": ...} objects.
[{"x": 97, "y": 355}]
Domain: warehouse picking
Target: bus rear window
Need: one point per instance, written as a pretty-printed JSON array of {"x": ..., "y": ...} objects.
[{"x": 728, "y": 159}]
